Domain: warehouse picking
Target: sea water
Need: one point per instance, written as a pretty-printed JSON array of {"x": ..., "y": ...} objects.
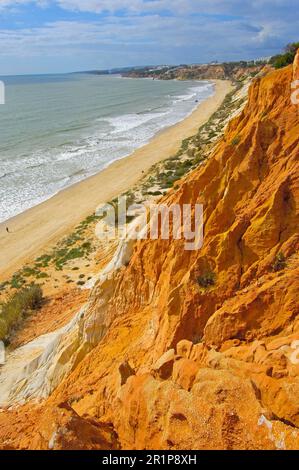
[{"x": 56, "y": 130}]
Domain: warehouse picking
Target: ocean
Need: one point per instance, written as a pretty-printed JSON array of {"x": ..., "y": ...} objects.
[{"x": 56, "y": 130}]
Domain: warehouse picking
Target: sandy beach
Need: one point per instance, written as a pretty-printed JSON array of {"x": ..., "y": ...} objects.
[{"x": 35, "y": 230}]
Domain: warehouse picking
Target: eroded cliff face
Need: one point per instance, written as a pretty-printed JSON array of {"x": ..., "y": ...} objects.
[{"x": 179, "y": 365}]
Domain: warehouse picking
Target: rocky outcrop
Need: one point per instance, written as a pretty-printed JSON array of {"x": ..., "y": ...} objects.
[{"x": 182, "y": 364}]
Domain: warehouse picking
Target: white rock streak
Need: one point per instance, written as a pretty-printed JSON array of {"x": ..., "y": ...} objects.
[{"x": 34, "y": 370}]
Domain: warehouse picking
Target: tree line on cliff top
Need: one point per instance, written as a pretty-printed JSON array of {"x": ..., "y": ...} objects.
[{"x": 282, "y": 60}]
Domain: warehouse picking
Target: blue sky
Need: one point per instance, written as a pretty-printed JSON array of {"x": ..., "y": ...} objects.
[{"x": 42, "y": 36}]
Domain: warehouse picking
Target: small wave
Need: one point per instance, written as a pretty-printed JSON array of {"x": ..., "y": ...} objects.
[
  {"x": 45, "y": 172},
  {"x": 128, "y": 122},
  {"x": 180, "y": 98},
  {"x": 205, "y": 87}
]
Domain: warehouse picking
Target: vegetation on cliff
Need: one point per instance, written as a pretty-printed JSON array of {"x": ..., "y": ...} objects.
[
  {"x": 17, "y": 307},
  {"x": 195, "y": 349},
  {"x": 287, "y": 58}
]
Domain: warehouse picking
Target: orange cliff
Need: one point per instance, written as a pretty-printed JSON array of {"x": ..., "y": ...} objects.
[{"x": 181, "y": 366}]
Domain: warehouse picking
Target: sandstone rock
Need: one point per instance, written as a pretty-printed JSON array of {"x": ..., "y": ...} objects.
[
  {"x": 279, "y": 343},
  {"x": 125, "y": 371},
  {"x": 62, "y": 428},
  {"x": 245, "y": 392},
  {"x": 198, "y": 352},
  {"x": 184, "y": 373},
  {"x": 296, "y": 67},
  {"x": 163, "y": 367},
  {"x": 184, "y": 348}
]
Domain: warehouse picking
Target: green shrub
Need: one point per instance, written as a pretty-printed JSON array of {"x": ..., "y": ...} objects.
[
  {"x": 65, "y": 255},
  {"x": 185, "y": 144},
  {"x": 43, "y": 261},
  {"x": 3, "y": 329},
  {"x": 3, "y": 285},
  {"x": 154, "y": 193},
  {"x": 42, "y": 276},
  {"x": 282, "y": 60},
  {"x": 29, "y": 272},
  {"x": 279, "y": 262},
  {"x": 236, "y": 140},
  {"x": 17, "y": 306},
  {"x": 17, "y": 281},
  {"x": 207, "y": 279},
  {"x": 170, "y": 165}
]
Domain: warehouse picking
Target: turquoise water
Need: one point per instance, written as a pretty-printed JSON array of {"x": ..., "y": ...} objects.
[{"x": 56, "y": 130}]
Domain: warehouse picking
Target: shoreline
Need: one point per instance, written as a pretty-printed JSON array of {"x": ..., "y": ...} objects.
[
  {"x": 89, "y": 172},
  {"x": 43, "y": 225}
]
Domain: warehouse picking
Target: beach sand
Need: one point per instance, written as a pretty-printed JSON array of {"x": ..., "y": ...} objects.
[{"x": 34, "y": 231}]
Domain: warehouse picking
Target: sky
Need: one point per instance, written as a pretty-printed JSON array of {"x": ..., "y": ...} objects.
[{"x": 52, "y": 36}]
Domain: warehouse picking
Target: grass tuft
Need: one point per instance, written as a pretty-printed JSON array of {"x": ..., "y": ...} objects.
[{"x": 17, "y": 307}]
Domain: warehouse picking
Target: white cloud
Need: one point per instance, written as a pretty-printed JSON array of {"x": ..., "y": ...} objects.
[
  {"x": 248, "y": 8},
  {"x": 195, "y": 30},
  {"x": 15, "y": 3},
  {"x": 151, "y": 30},
  {"x": 98, "y": 6}
]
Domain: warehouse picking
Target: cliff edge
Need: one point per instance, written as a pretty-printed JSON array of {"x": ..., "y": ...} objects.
[{"x": 186, "y": 364}]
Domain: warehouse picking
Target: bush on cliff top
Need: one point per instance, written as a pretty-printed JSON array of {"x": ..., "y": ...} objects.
[
  {"x": 282, "y": 60},
  {"x": 17, "y": 306}
]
